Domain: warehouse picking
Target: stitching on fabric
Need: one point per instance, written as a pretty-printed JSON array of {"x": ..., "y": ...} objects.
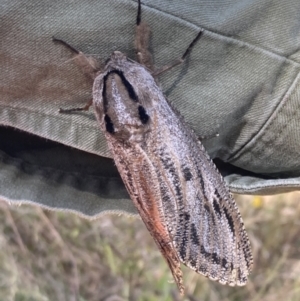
[
  {"x": 224, "y": 37},
  {"x": 78, "y": 125},
  {"x": 272, "y": 118},
  {"x": 15, "y": 202},
  {"x": 6, "y": 158},
  {"x": 258, "y": 187},
  {"x": 47, "y": 115}
]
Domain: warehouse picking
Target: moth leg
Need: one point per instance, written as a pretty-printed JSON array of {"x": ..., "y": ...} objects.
[
  {"x": 84, "y": 108},
  {"x": 208, "y": 137},
  {"x": 88, "y": 65},
  {"x": 180, "y": 60},
  {"x": 141, "y": 41}
]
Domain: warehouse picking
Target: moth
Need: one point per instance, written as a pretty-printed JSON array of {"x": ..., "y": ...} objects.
[{"x": 176, "y": 188}]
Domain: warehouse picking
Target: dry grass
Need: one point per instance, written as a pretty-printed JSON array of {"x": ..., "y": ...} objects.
[{"x": 59, "y": 256}]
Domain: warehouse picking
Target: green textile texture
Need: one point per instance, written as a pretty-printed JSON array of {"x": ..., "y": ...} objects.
[{"x": 241, "y": 81}]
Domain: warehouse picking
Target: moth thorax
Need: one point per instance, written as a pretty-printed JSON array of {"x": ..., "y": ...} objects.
[{"x": 124, "y": 116}]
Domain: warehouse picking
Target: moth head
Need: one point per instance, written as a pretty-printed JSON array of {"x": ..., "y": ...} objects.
[{"x": 118, "y": 57}]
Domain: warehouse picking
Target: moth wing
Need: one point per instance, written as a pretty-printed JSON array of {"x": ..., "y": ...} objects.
[
  {"x": 141, "y": 181},
  {"x": 202, "y": 217}
]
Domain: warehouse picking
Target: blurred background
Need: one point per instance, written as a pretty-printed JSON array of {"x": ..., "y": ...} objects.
[{"x": 60, "y": 256}]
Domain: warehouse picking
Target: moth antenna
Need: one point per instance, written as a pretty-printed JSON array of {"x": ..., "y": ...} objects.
[
  {"x": 67, "y": 45},
  {"x": 89, "y": 67},
  {"x": 182, "y": 59},
  {"x": 87, "y": 64},
  {"x": 189, "y": 49},
  {"x": 139, "y": 14},
  {"x": 141, "y": 41}
]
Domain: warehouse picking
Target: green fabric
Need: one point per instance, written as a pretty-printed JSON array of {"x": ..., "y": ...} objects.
[{"x": 241, "y": 81}]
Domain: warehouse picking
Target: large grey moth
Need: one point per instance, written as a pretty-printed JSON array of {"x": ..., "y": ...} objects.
[{"x": 176, "y": 188}]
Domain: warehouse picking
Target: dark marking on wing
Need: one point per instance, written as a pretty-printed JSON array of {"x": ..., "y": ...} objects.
[
  {"x": 240, "y": 275},
  {"x": 143, "y": 115},
  {"x": 170, "y": 167},
  {"x": 203, "y": 268},
  {"x": 202, "y": 184},
  {"x": 185, "y": 217},
  {"x": 217, "y": 194},
  {"x": 187, "y": 173},
  {"x": 217, "y": 207},
  {"x": 109, "y": 124},
  {"x": 215, "y": 257},
  {"x": 229, "y": 219},
  {"x": 195, "y": 238},
  {"x": 206, "y": 207},
  {"x": 193, "y": 262},
  {"x": 210, "y": 215}
]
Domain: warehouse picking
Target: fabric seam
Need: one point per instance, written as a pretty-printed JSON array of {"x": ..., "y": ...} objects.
[{"x": 273, "y": 116}]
